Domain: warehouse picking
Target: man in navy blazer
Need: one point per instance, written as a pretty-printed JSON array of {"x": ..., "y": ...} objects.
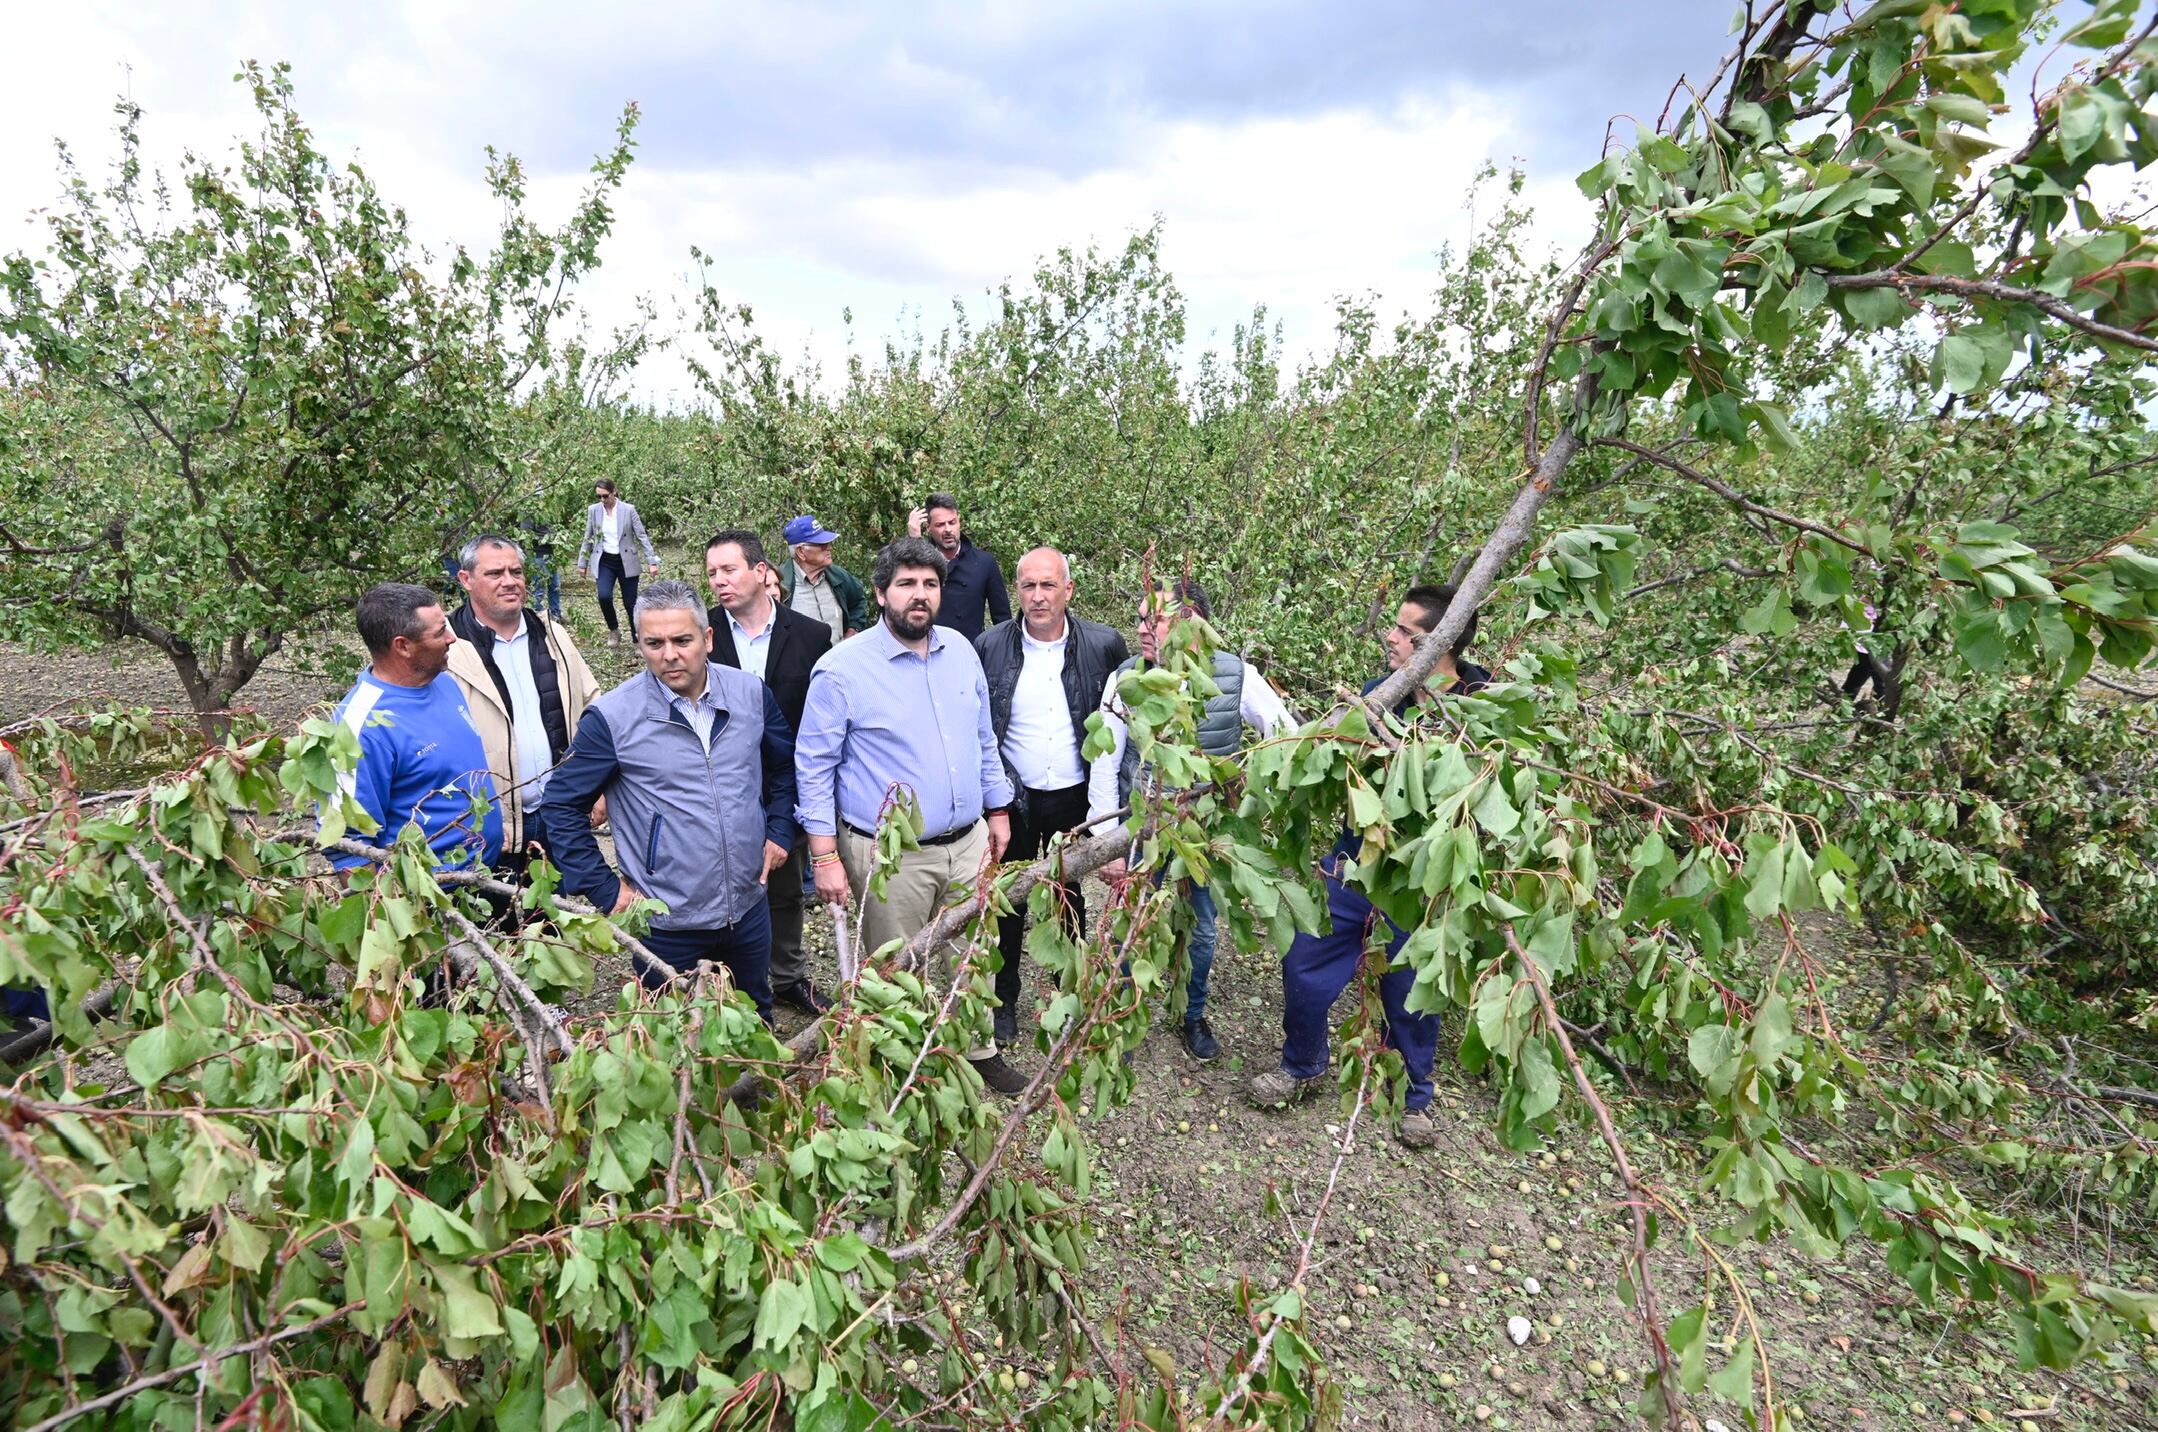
[{"x": 779, "y": 646}]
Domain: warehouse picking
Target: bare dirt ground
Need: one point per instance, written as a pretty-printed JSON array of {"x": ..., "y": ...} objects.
[{"x": 1195, "y": 1192}]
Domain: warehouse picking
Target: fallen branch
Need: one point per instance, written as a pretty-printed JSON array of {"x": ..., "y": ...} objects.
[
  {"x": 1910, "y": 284},
  {"x": 1638, "y": 1196},
  {"x": 143, "y": 1384},
  {"x": 1259, "y": 1353},
  {"x": 1733, "y": 496}
]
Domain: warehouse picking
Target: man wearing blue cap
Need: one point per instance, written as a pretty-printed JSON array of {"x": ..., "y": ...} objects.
[{"x": 816, "y": 586}]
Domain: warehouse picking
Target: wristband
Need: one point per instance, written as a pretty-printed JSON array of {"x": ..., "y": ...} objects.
[{"x": 825, "y": 859}]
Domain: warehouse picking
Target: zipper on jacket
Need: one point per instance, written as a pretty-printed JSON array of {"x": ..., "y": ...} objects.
[{"x": 651, "y": 844}]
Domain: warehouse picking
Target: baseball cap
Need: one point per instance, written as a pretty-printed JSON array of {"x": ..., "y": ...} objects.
[{"x": 806, "y": 528}]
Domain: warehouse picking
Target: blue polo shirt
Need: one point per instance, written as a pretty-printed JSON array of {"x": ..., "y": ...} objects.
[{"x": 421, "y": 762}]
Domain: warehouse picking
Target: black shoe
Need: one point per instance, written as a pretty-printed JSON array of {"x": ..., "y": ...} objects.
[
  {"x": 1199, "y": 1041},
  {"x": 1007, "y": 1025},
  {"x": 998, "y": 1075},
  {"x": 802, "y": 995}
]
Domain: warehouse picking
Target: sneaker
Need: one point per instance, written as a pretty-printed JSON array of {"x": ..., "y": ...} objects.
[
  {"x": 1007, "y": 1025},
  {"x": 1199, "y": 1041},
  {"x": 802, "y": 995},
  {"x": 998, "y": 1075},
  {"x": 1417, "y": 1130},
  {"x": 1278, "y": 1087}
]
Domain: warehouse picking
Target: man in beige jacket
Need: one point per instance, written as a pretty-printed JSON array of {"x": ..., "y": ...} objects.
[{"x": 524, "y": 681}]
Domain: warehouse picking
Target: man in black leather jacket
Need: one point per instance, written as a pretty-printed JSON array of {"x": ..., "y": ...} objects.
[{"x": 1046, "y": 670}]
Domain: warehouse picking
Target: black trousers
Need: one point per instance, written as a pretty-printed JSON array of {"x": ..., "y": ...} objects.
[
  {"x": 783, "y": 898},
  {"x": 1047, "y": 814},
  {"x": 613, "y": 570}
]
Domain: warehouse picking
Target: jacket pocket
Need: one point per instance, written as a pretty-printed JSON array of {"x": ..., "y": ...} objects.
[{"x": 651, "y": 844}]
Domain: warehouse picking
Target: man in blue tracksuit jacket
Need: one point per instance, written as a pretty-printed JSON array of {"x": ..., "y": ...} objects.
[
  {"x": 1317, "y": 968},
  {"x": 697, "y": 763}
]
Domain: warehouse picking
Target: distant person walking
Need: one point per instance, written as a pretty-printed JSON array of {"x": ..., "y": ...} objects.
[
  {"x": 974, "y": 594},
  {"x": 613, "y": 532}
]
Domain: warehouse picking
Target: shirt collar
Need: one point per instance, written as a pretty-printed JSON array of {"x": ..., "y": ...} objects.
[
  {"x": 894, "y": 647},
  {"x": 771, "y": 620},
  {"x": 668, "y": 699},
  {"x": 524, "y": 629},
  {"x": 1033, "y": 643}
]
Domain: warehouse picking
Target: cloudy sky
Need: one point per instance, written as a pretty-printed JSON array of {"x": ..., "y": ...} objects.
[{"x": 886, "y": 158}]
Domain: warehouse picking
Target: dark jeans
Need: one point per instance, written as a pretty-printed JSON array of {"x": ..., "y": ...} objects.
[
  {"x": 611, "y": 571},
  {"x": 1317, "y": 968},
  {"x": 744, "y": 947},
  {"x": 783, "y": 899},
  {"x": 1047, "y": 814}
]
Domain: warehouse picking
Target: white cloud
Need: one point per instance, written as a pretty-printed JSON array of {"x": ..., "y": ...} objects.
[{"x": 1289, "y": 211}]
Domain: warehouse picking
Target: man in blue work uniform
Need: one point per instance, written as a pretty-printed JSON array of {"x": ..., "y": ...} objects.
[{"x": 1317, "y": 968}]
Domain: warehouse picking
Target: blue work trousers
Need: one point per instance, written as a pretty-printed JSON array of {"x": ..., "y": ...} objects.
[{"x": 1317, "y": 968}]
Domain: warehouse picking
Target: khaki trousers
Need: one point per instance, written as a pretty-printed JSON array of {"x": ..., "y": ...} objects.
[{"x": 927, "y": 880}]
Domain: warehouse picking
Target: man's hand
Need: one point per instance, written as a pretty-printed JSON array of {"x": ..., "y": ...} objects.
[
  {"x": 655, "y": 569},
  {"x": 916, "y": 520},
  {"x": 1113, "y": 874},
  {"x": 774, "y": 857},
  {"x": 598, "y": 817},
  {"x": 626, "y": 898},
  {"x": 580, "y": 574},
  {"x": 1000, "y": 834},
  {"x": 832, "y": 882}
]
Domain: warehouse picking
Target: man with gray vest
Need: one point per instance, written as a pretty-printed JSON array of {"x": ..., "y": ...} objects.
[
  {"x": 1244, "y": 699},
  {"x": 696, "y": 761}
]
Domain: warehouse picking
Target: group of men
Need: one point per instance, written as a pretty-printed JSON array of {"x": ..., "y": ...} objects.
[{"x": 776, "y": 726}]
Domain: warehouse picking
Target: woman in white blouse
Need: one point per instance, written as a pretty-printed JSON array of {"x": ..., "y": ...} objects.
[{"x": 611, "y": 526}]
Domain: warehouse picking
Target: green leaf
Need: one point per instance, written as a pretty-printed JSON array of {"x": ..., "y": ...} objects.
[
  {"x": 1959, "y": 363},
  {"x": 780, "y": 1313},
  {"x": 1539, "y": 1080},
  {"x": 466, "y": 1311},
  {"x": 1494, "y": 812},
  {"x": 1872, "y": 308},
  {"x": 155, "y": 1053},
  {"x": 1735, "y": 1381}
]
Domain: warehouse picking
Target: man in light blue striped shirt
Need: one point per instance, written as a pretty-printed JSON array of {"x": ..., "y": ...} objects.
[{"x": 904, "y": 707}]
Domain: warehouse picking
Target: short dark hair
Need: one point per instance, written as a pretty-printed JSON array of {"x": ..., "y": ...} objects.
[
  {"x": 944, "y": 500},
  {"x": 1186, "y": 592},
  {"x": 606, "y": 484},
  {"x": 907, "y": 552},
  {"x": 1434, "y": 598},
  {"x": 751, "y": 544},
  {"x": 389, "y": 610}
]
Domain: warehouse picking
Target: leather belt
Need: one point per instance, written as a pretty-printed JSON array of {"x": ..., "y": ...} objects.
[{"x": 945, "y": 839}]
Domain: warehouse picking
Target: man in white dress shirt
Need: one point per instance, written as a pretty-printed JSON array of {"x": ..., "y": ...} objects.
[{"x": 1046, "y": 670}]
